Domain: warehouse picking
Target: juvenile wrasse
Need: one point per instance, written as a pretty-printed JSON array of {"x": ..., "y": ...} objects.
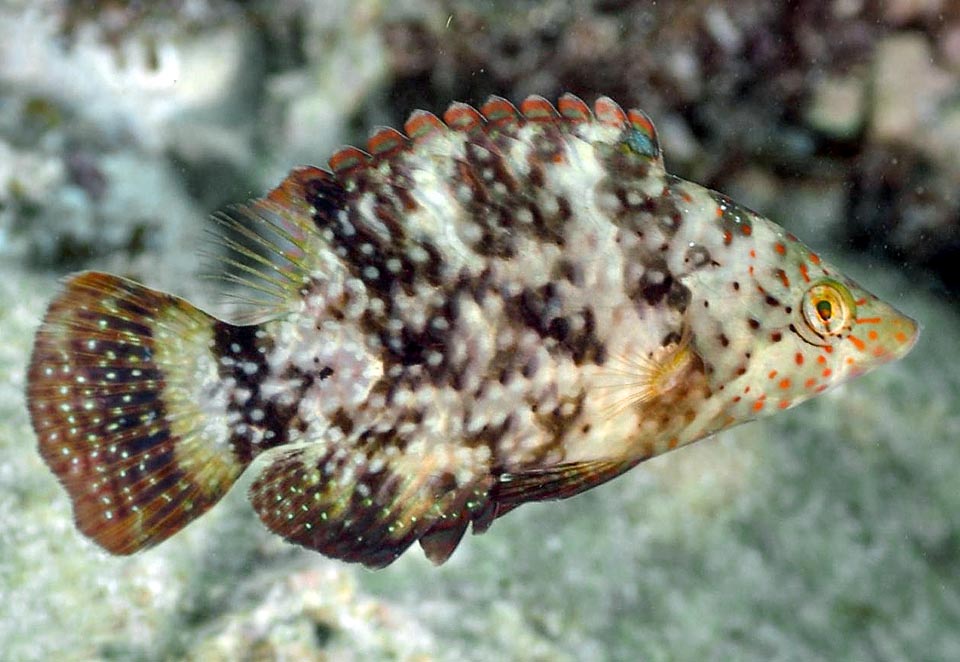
[{"x": 500, "y": 307}]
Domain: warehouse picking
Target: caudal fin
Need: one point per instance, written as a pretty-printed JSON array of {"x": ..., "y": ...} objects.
[{"x": 123, "y": 390}]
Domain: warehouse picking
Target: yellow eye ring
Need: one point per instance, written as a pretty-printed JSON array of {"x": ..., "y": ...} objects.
[{"x": 828, "y": 311}]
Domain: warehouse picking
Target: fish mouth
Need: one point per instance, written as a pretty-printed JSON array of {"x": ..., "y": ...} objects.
[
  {"x": 900, "y": 338},
  {"x": 906, "y": 333}
]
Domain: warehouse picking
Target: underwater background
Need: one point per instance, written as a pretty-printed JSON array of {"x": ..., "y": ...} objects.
[{"x": 831, "y": 531}]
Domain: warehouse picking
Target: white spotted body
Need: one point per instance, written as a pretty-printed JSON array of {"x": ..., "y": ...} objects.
[{"x": 504, "y": 307}]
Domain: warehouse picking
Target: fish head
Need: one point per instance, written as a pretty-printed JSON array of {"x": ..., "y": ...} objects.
[{"x": 790, "y": 325}]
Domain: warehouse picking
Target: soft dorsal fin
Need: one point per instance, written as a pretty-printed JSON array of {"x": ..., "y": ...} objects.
[{"x": 273, "y": 246}]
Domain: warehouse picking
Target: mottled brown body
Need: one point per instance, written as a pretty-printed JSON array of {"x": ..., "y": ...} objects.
[{"x": 503, "y": 307}]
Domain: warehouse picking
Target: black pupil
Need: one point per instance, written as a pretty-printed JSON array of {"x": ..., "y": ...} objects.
[{"x": 824, "y": 310}]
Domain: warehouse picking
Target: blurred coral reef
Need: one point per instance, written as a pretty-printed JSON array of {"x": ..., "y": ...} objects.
[{"x": 830, "y": 532}]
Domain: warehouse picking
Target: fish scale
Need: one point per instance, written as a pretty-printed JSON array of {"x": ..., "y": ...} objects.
[{"x": 498, "y": 307}]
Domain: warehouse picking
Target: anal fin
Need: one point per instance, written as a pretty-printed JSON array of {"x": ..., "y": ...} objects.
[
  {"x": 560, "y": 481},
  {"x": 358, "y": 508}
]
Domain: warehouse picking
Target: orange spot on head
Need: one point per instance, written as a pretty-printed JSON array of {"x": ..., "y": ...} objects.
[
  {"x": 736, "y": 399},
  {"x": 821, "y": 359},
  {"x": 783, "y": 277},
  {"x": 814, "y": 258},
  {"x": 784, "y": 404},
  {"x": 773, "y": 373},
  {"x": 719, "y": 211},
  {"x": 753, "y": 253},
  {"x": 861, "y": 301},
  {"x": 826, "y": 372},
  {"x": 750, "y": 269},
  {"x": 784, "y": 384},
  {"x": 828, "y": 349},
  {"x": 673, "y": 443},
  {"x": 900, "y": 337},
  {"x": 871, "y": 335},
  {"x": 849, "y": 360},
  {"x": 727, "y": 237},
  {"x": 780, "y": 248},
  {"x": 758, "y": 405},
  {"x": 809, "y": 383},
  {"x": 868, "y": 320},
  {"x": 746, "y": 229},
  {"x": 859, "y": 344},
  {"x": 821, "y": 388},
  {"x": 804, "y": 272},
  {"x": 798, "y": 358}
]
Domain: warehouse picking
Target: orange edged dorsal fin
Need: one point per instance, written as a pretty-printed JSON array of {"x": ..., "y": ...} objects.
[
  {"x": 537, "y": 109},
  {"x": 610, "y": 113},
  {"x": 386, "y": 141},
  {"x": 500, "y": 112},
  {"x": 643, "y": 137},
  {"x": 573, "y": 109},
  {"x": 292, "y": 191},
  {"x": 422, "y": 124},
  {"x": 339, "y": 503},
  {"x": 463, "y": 117},
  {"x": 348, "y": 159},
  {"x": 273, "y": 247}
]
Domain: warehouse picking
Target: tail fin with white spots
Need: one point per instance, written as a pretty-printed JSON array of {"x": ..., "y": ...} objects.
[{"x": 123, "y": 390}]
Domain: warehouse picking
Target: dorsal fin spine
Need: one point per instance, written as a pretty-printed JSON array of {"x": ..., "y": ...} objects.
[
  {"x": 573, "y": 109},
  {"x": 610, "y": 113},
  {"x": 463, "y": 117},
  {"x": 537, "y": 109},
  {"x": 499, "y": 112},
  {"x": 422, "y": 125}
]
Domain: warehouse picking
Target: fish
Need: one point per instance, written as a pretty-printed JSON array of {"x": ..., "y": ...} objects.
[{"x": 502, "y": 306}]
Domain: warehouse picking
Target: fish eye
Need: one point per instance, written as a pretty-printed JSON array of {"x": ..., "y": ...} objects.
[{"x": 828, "y": 311}]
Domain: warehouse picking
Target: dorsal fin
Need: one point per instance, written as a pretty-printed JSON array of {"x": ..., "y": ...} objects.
[
  {"x": 463, "y": 117},
  {"x": 385, "y": 142},
  {"x": 643, "y": 135},
  {"x": 274, "y": 244},
  {"x": 423, "y": 125},
  {"x": 273, "y": 247},
  {"x": 574, "y": 109},
  {"x": 537, "y": 109},
  {"x": 499, "y": 112},
  {"x": 348, "y": 158},
  {"x": 610, "y": 113}
]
